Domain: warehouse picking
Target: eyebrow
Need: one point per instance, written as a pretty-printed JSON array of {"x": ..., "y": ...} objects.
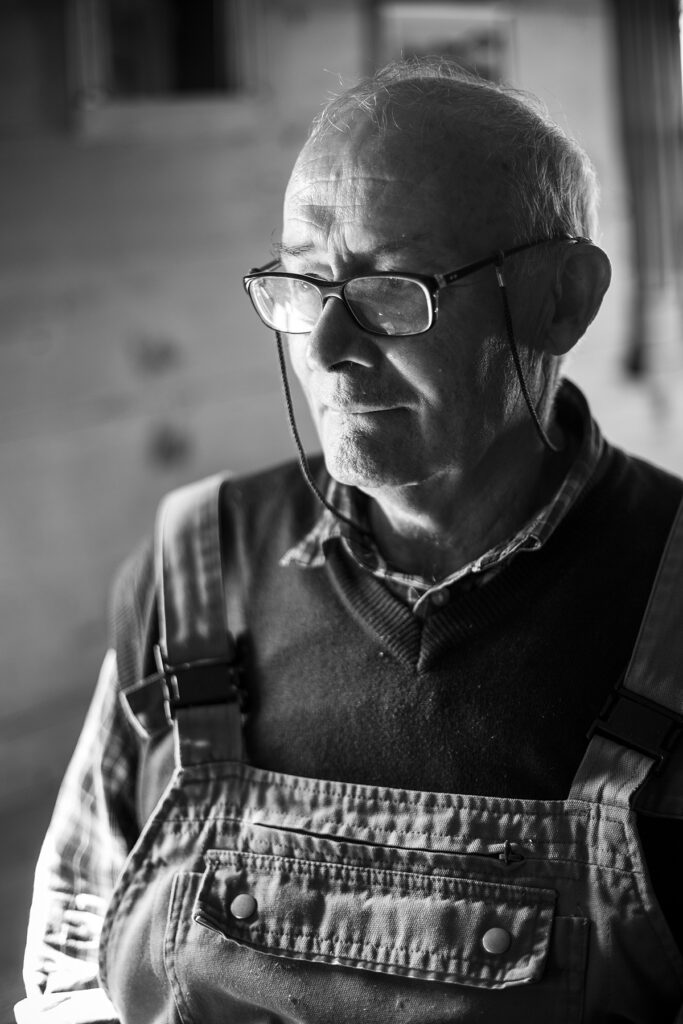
[
  {"x": 392, "y": 246},
  {"x": 279, "y": 249}
]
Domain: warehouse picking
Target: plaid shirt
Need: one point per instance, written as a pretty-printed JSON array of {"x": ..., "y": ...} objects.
[
  {"x": 91, "y": 830},
  {"x": 83, "y": 853}
]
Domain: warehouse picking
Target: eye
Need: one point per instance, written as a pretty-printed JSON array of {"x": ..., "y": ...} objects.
[{"x": 304, "y": 286}]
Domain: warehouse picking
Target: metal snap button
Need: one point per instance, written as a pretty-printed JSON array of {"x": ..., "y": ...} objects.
[
  {"x": 496, "y": 941},
  {"x": 243, "y": 906}
]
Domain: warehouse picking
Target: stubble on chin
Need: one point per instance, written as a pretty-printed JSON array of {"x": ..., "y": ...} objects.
[{"x": 365, "y": 461}]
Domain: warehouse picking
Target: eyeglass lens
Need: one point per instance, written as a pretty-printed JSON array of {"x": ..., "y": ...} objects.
[
  {"x": 391, "y": 305},
  {"x": 383, "y": 305},
  {"x": 286, "y": 304}
]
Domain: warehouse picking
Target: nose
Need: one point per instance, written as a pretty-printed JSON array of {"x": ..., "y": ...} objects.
[{"x": 338, "y": 339}]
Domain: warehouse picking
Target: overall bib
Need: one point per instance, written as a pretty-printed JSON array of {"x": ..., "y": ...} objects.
[{"x": 253, "y": 897}]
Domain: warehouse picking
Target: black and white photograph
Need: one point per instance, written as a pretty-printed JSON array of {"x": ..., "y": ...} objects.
[{"x": 341, "y": 516}]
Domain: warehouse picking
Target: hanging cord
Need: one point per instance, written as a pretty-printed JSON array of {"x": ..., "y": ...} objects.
[
  {"x": 303, "y": 461},
  {"x": 540, "y": 430}
]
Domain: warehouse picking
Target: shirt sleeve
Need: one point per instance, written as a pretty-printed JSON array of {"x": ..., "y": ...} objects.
[{"x": 92, "y": 830}]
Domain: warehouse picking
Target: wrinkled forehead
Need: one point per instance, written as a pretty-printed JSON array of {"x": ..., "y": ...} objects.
[{"x": 402, "y": 181}]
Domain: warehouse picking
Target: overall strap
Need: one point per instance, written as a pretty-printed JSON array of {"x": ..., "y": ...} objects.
[
  {"x": 197, "y": 688},
  {"x": 636, "y": 736}
]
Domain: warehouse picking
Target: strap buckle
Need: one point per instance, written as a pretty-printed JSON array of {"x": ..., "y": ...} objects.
[
  {"x": 200, "y": 683},
  {"x": 639, "y": 723}
]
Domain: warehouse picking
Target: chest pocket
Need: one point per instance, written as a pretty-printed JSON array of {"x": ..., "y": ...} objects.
[
  {"x": 401, "y": 927},
  {"x": 434, "y": 927}
]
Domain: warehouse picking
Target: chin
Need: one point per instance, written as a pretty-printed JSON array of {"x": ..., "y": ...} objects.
[{"x": 368, "y": 470}]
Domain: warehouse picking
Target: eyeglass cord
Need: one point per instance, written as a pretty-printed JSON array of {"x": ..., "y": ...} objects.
[{"x": 540, "y": 430}]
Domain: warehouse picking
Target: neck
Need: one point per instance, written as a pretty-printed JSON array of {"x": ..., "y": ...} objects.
[{"x": 435, "y": 527}]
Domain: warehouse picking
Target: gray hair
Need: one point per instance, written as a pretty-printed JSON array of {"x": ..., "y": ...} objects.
[{"x": 553, "y": 185}]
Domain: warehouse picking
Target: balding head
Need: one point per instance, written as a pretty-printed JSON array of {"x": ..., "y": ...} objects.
[
  {"x": 550, "y": 182},
  {"x": 411, "y": 176}
]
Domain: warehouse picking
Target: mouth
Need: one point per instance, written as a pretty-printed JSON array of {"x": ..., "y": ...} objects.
[{"x": 353, "y": 409}]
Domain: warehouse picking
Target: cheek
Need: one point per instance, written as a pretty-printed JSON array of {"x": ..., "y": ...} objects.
[
  {"x": 295, "y": 350},
  {"x": 464, "y": 389},
  {"x": 296, "y": 356},
  {"x": 446, "y": 371},
  {"x": 294, "y": 347},
  {"x": 458, "y": 351}
]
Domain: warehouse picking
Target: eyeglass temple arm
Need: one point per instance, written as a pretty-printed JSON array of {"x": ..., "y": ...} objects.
[{"x": 454, "y": 275}]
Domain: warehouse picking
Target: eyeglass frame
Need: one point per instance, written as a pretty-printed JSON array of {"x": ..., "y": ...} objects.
[{"x": 431, "y": 284}]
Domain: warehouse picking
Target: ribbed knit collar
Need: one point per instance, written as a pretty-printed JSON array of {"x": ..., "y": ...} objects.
[{"x": 330, "y": 533}]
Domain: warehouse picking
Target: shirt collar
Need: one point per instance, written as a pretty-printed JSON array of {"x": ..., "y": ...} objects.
[{"x": 311, "y": 552}]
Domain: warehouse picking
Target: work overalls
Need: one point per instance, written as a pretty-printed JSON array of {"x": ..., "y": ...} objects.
[{"x": 253, "y": 896}]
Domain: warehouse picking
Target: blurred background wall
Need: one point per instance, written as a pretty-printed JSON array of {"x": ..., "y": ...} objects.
[{"x": 144, "y": 149}]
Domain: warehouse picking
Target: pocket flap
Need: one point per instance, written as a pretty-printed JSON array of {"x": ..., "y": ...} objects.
[{"x": 412, "y": 923}]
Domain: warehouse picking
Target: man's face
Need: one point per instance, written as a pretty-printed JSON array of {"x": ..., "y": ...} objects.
[{"x": 399, "y": 411}]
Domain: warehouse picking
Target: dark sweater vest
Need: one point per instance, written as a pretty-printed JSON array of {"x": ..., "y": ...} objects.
[{"x": 492, "y": 693}]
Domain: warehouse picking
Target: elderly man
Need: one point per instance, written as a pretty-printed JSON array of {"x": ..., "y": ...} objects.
[{"x": 372, "y": 797}]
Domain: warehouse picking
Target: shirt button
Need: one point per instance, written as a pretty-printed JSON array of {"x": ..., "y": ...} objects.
[
  {"x": 243, "y": 906},
  {"x": 496, "y": 941},
  {"x": 440, "y": 598}
]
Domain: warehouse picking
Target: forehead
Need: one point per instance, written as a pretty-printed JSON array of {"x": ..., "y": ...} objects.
[{"x": 359, "y": 188}]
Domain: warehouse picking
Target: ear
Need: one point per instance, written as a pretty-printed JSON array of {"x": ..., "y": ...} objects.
[{"x": 582, "y": 279}]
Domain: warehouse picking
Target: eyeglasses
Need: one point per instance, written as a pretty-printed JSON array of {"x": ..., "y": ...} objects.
[{"x": 386, "y": 303}]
